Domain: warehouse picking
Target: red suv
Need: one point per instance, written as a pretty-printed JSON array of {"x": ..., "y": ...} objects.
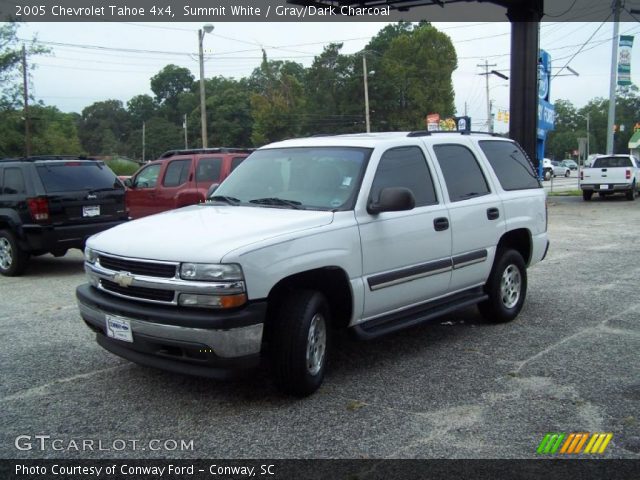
[{"x": 179, "y": 178}]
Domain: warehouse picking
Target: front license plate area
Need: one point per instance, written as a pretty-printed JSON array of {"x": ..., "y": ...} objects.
[
  {"x": 119, "y": 328},
  {"x": 91, "y": 211}
]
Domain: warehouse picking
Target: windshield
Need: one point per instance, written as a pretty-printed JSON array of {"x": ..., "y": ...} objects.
[
  {"x": 324, "y": 178},
  {"x": 77, "y": 175}
]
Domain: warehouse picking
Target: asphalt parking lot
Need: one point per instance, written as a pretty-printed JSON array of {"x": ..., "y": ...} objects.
[{"x": 457, "y": 388}]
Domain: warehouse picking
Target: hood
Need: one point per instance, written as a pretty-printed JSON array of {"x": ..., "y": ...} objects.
[{"x": 203, "y": 233}]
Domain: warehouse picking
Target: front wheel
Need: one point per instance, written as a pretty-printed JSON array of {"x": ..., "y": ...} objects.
[
  {"x": 567, "y": 173},
  {"x": 300, "y": 339},
  {"x": 506, "y": 287}
]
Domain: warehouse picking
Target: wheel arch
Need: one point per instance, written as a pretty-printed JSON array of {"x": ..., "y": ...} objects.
[
  {"x": 331, "y": 281},
  {"x": 520, "y": 240}
]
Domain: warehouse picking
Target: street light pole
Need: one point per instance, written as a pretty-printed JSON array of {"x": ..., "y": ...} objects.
[
  {"x": 366, "y": 92},
  {"x": 203, "y": 109}
]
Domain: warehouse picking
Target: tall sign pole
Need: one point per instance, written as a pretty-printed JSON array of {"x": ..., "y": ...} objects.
[{"x": 614, "y": 70}]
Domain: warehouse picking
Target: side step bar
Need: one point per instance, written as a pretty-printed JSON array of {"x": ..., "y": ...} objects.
[{"x": 417, "y": 315}]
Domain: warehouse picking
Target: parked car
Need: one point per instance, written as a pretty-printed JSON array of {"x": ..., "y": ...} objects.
[
  {"x": 559, "y": 170},
  {"x": 372, "y": 233},
  {"x": 179, "y": 178},
  {"x": 49, "y": 204},
  {"x": 571, "y": 164},
  {"x": 611, "y": 174}
]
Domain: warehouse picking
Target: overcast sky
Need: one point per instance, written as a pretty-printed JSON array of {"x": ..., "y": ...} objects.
[{"x": 76, "y": 74}]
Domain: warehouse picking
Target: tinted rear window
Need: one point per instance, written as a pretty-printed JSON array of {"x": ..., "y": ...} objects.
[
  {"x": 612, "y": 162},
  {"x": 13, "y": 182},
  {"x": 512, "y": 167},
  {"x": 73, "y": 176}
]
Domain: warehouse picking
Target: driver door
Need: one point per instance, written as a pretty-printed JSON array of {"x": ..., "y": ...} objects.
[{"x": 141, "y": 196}]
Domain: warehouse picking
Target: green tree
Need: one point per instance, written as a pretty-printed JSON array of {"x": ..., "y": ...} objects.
[
  {"x": 167, "y": 85},
  {"x": 104, "y": 128},
  {"x": 277, "y": 102},
  {"x": 229, "y": 119},
  {"x": 54, "y": 132},
  {"x": 141, "y": 108},
  {"x": 160, "y": 135}
]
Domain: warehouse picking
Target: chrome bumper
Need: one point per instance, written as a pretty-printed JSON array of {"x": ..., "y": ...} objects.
[{"x": 227, "y": 343}]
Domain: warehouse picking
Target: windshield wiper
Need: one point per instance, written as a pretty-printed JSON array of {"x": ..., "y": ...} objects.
[
  {"x": 278, "y": 202},
  {"x": 224, "y": 199}
]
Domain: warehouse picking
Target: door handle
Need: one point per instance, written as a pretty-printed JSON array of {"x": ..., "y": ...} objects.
[
  {"x": 440, "y": 224},
  {"x": 493, "y": 213}
]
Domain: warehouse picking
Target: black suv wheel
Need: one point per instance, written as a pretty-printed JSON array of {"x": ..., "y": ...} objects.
[
  {"x": 506, "y": 287},
  {"x": 12, "y": 260}
]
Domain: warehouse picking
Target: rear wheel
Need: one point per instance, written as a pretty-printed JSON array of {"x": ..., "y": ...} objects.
[
  {"x": 567, "y": 173},
  {"x": 586, "y": 195},
  {"x": 300, "y": 342},
  {"x": 13, "y": 260},
  {"x": 506, "y": 287},
  {"x": 631, "y": 194}
]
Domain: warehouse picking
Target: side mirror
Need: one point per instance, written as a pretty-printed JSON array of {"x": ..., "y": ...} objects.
[
  {"x": 212, "y": 189},
  {"x": 393, "y": 199},
  {"x": 128, "y": 183}
]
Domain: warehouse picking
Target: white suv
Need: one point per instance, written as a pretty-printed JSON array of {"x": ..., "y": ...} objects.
[{"x": 371, "y": 232}]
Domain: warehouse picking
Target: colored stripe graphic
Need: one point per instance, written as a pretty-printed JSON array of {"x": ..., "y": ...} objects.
[
  {"x": 574, "y": 442},
  {"x": 550, "y": 443},
  {"x": 598, "y": 443}
]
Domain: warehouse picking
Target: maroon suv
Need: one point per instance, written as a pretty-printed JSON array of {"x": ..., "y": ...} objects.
[{"x": 179, "y": 178}]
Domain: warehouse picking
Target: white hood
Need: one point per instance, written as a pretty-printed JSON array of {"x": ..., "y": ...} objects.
[{"x": 203, "y": 233}]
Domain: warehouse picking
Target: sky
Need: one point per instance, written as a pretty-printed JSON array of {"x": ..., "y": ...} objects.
[{"x": 98, "y": 61}]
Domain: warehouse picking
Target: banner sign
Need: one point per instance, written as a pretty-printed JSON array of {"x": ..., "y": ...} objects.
[{"x": 624, "y": 60}]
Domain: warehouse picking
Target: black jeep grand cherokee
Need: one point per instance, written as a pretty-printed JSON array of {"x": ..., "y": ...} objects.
[{"x": 49, "y": 204}]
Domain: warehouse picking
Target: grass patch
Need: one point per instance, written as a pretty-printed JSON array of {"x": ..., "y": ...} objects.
[
  {"x": 567, "y": 193},
  {"x": 120, "y": 166}
]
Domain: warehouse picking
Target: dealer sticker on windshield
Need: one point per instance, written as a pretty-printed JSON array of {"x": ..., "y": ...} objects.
[{"x": 119, "y": 328}]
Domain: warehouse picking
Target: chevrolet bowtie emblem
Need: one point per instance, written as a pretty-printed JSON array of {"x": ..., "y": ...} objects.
[{"x": 124, "y": 279}]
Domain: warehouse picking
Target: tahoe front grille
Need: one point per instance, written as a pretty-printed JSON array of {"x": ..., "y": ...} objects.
[
  {"x": 139, "y": 292},
  {"x": 150, "y": 269}
]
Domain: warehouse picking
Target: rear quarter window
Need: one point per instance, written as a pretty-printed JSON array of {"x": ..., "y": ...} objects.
[
  {"x": 13, "y": 183},
  {"x": 510, "y": 164}
]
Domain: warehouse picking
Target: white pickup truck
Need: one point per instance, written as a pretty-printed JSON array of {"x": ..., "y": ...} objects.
[
  {"x": 611, "y": 174},
  {"x": 372, "y": 233}
]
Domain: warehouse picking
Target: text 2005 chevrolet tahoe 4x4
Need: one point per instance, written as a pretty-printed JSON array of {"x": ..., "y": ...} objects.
[{"x": 371, "y": 232}]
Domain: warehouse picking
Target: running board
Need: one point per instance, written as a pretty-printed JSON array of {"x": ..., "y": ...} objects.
[{"x": 417, "y": 315}]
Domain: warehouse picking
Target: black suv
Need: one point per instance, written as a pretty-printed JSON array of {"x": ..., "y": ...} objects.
[{"x": 49, "y": 204}]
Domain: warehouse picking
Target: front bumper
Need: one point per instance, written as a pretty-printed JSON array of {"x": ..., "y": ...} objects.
[{"x": 182, "y": 340}]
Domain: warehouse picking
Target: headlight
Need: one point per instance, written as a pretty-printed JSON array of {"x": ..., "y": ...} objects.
[
  {"x": 90, "y": 255},
  {"x": 211, "y": 272}
]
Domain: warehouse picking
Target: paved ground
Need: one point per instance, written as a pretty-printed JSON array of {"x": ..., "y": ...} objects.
[
  {"x": 455, "y": 388},
  {"x": 562, "y": 184}
]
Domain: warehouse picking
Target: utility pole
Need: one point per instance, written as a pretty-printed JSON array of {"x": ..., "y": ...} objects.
[
  {"x": 486, "y": 77},
  {"x": 614, "y": 71},
  {"x": 184, "y": 126},
  {"x": 144, "y": 144},
  {"x": 27, "y": 120},
  {"x": 366, "y": 92},
  {"x": 588, "y": 134},
  {"x": 465, "y": 108}
]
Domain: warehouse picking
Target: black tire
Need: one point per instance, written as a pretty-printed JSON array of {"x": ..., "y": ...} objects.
[
  {"x": 586, "y": 195},
  {"x": 506, "y": 287},
  {"x": 299, "y": 363},
  {"x": 631, "y": 194},
  {"x": 602, "y": 195},
  {"x": 547, "y": 175},
  {"x": 567, "y": 173},
  {"x": 13, "y": 260}
]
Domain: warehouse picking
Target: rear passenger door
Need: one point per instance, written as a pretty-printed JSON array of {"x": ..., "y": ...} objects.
[
  {"x": 208, "y": 171},
  {"x": 405, "y": 255},
  {"x": 173, "y": 191},
  {"x": 475, "y": 210}
]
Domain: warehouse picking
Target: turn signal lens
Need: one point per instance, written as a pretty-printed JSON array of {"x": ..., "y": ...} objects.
[{"x": 212, "y": 301}]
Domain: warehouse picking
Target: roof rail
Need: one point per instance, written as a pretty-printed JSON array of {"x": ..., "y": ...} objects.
[
  {"x": 426, "y": 133},
  {"x": 38, "y": 158},
  {"x": 191, "y": 151}
]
